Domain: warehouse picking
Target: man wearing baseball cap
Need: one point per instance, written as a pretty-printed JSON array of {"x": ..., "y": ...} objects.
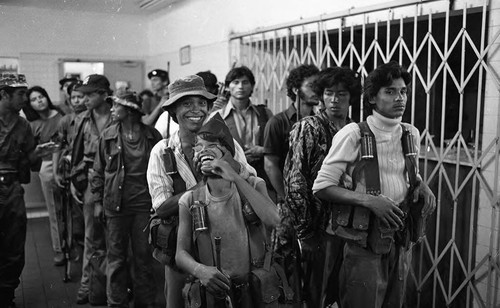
[
  {"x": 188, "y": 105},
  {"x": 18, "y": 154},
  {"x": 159, "y": 82},
  {"x": 89, "y": 124}
]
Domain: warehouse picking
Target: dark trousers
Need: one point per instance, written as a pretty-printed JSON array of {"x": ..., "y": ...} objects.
[
  {"x": 334, "y": 254},
  {"x": 120, "y": 231},
  {"x": 373, "y": 280},
  {"x": 13, "y": 223},
  {"x": 95, "y": 241}
]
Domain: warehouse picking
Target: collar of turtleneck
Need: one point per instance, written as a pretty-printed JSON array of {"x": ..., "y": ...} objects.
[{"x": 385, "y": 124}]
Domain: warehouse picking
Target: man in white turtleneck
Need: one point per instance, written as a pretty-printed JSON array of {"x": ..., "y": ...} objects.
[{"x": 380, "y": 279}]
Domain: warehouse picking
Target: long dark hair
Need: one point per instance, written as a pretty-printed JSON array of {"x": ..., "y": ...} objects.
[{"x": 31, "y": 114}]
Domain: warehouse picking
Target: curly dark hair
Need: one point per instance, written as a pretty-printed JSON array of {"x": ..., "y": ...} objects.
[
  {"x": 380, "y": 77},
  {"x": 297, "y": 77},
  {"x": 331, "y": 76},
  {"x": 239, "y": 72}
]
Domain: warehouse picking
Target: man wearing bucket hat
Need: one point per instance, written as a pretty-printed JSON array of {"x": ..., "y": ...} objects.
[
  {"x": 89, "y": 125},
  {"x": 18, "y": 154},
  {"x": 165, "y": 125},
  {"x": 121, "y": 196},
  {"x": 188, "y": 105}
]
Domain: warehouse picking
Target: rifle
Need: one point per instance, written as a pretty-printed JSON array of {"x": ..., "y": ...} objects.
[{"x": 67, "y": 222}]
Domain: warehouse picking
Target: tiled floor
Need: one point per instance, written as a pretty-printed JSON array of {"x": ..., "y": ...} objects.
[{"x": 42, "y": 283}]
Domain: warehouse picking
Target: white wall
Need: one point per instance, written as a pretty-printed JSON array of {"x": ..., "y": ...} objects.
[
  {"x": 206, "y": 26},
  {"x": 41, "y": 37}
]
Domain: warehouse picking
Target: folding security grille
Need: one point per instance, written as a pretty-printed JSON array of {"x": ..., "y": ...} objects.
[{"x": 453, "y": 59}]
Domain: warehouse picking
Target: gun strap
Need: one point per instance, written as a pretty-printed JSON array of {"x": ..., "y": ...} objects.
[
  {"x": 169, "y": 161},
  {"x": 410, "y": 161},
  {"x": 370, "y": 167}
]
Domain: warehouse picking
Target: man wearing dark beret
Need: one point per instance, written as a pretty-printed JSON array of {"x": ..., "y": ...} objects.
[{"x": 159, "y": 81}]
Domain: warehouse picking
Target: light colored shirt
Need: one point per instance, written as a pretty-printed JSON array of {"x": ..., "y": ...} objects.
[
  {"x": 226, "y": 220},
  {"x": 160, "y": 182},
  {"x": 164, "y": 122},
  {"x": 246, "y": 121},
  {"x": 345, "y": 153}
]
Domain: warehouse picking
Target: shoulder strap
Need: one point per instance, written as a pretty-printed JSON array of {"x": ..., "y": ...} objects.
[
  {"x": 203, "y": 243},
  {"x": 368, "y": 165},
  {"x": 262, "y": 119},
  {"x": 171, "y": 168},
  {"x": 77, "y": 153},
  {"x": 410, "y": 156},
  {"x": 262, "y": 113}
]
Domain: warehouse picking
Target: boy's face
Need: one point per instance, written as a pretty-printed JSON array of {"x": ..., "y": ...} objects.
[
  {"x": 390, "y": 101},
  {"x": 94, "y": 100},
  {"x": 205, "y": 152},
  {"x": 336, "y": 99},
  {"x": 241, "y": 88}
]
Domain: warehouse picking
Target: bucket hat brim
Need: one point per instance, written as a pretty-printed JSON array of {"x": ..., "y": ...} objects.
[{"x": 178, "y": 96}]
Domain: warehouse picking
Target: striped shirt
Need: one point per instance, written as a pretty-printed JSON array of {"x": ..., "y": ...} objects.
[{"x": 160, "y": 182}]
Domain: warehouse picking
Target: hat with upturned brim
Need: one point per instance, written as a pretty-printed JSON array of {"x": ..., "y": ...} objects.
[
  {"x": 130, "y": 100},
  {"x": 192, "y": 85},
  {"x": 13, "y": 80}
]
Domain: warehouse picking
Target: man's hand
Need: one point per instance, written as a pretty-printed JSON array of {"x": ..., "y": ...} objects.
[
  {"x": 46, "y": 148},
  {"x": 230, "y": 159},
  {"x": 310, "y": 247},
  {"x": 254, "y": 153},
  {"x": 60, "y": 181},
  {"x": 215, "y": 281},
  {"x": 99, "y": 212},
  {"x": 387, "y": 210},
  {"x": 423, "y": 191},
  {"x": 76, "y": 194},
  {"x": 221, "y": 168},
  {"x": 219, "y": 103}
]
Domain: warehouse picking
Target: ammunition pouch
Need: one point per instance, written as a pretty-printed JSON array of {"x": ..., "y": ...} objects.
[
  {"x": 353, "y": 223},
  {"x": 270, "y": 288},
  {"x": 357, "y": 225},
  {"x": 163, "y": 238}
]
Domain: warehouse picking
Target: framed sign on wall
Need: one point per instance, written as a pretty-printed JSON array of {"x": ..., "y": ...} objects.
[{"x": 185, "y": 55}]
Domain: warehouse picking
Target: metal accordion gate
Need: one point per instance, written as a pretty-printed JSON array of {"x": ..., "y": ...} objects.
[{"x": 453, "y": 56}]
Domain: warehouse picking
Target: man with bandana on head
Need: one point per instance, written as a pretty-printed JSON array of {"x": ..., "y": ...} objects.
[{"x": 18, "y": 154}]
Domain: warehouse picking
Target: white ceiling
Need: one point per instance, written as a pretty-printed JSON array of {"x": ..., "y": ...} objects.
[{"x": 132, "y": 7}]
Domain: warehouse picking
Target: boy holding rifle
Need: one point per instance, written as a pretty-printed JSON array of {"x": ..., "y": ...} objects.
[{"x": 222, "y": 224}]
